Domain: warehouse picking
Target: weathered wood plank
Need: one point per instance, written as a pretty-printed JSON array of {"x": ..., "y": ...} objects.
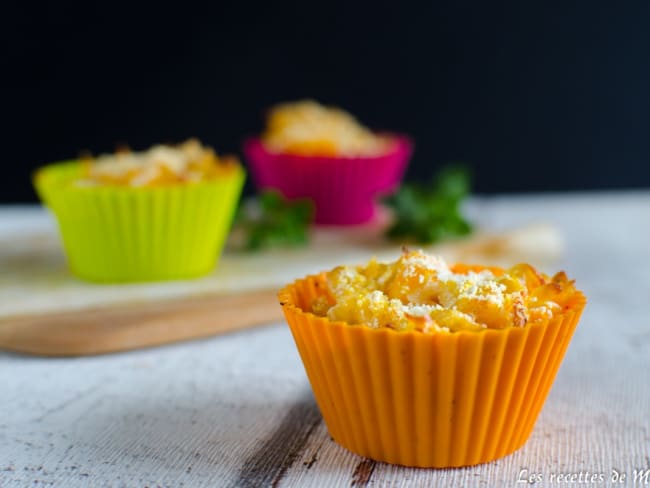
[
  {"x": 267, "y": 465},
  {"x": 216, "y": 412}
]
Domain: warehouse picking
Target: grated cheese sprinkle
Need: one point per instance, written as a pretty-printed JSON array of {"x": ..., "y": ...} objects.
[
  {"x": 421, "y": 292},
  {"x": 189, "y": 162},
  {"x": 310, "y": 129}
]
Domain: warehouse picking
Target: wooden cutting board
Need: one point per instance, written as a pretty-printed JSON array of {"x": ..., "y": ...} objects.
[{"x": 46, "y": 311}]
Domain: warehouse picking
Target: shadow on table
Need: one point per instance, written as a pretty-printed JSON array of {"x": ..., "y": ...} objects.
[{"x": 243, "y": 443}]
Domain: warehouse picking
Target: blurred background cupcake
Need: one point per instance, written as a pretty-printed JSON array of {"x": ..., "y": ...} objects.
[
  {"x": 140, "y": 216},
  {"x": 324, "y": 153}
]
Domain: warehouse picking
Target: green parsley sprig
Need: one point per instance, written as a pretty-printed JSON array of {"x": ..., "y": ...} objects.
[
  {"x": 427, "y": 214},
  {"x": 270, "y": 220}
]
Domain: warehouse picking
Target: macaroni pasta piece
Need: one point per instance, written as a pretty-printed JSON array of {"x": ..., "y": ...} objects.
[
  {"x": 420, "y": 292},
  {"x": 310, "y": 129},
  {"x": 159, "y": 166}
]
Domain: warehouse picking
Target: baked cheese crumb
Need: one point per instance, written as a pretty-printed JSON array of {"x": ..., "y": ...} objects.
[
  {"x": 421, "y": 292},
  {"x": 189, "y": 162},
  {"x": 309, "y": 129}
]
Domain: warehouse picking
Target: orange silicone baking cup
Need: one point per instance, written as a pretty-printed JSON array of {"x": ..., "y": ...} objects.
[{"x": 427, "y": 400}]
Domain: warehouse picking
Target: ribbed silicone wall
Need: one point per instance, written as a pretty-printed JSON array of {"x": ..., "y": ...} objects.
[{"x": 428, "y": 400}]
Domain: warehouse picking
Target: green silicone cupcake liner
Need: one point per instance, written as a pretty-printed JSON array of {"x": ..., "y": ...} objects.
[{"x": 122, "y": 234}]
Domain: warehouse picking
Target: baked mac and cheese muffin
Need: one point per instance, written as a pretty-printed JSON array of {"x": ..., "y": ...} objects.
[
  {"x": 423, "y": 364},
  {"x": 159, "y": 214},
  {"x": 324, "y": 153}
]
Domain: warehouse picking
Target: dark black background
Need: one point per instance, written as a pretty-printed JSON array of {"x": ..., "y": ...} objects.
[{"x": 533, "y": 96}]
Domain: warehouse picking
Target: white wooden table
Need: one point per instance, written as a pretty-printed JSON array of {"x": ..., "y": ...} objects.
[{"x": 237, "y": 410}]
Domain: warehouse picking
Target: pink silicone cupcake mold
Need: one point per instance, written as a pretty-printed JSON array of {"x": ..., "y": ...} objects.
[{"x": 343, "y": 189}]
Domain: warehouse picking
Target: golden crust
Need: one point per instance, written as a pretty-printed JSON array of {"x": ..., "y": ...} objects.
[
  {"x": 160, "y": 165},
  {"x": 421, "y": 292},
  {"x": 310, "y": 129}
]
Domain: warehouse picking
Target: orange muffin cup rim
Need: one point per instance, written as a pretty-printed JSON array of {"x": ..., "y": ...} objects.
[{"x": 577, "y": 301}]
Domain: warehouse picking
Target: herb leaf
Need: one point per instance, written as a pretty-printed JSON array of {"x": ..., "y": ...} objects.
[
  {"x": 271, "y": 221},
  {"x": 427, "y": 214}
]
